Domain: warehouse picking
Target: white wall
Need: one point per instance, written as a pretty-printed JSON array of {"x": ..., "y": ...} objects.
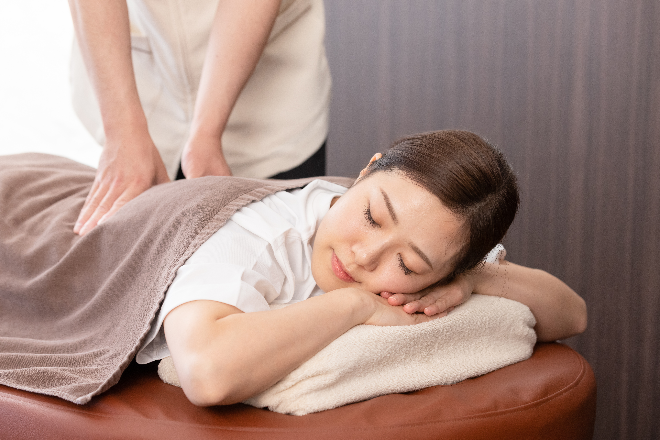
[{"x": 35, "y": 110}]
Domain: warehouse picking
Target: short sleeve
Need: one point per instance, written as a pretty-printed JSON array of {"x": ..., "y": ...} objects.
[{"x": 496, "y": 254}]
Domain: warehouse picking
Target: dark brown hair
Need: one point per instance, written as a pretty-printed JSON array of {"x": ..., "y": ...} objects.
[{"x": 469, "y": 176}]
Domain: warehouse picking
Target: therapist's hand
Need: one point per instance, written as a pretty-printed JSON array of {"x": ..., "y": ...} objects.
[
  {"x": 237, "y": 40},
  {"x": 130, "y": 163},
  {"x": 202, "y": 156},
  {"x": 434, "y": 300},
  {"x": 126, "y": 169}
]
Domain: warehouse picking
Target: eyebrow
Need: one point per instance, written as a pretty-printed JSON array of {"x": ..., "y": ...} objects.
[
  {"x": 421, "y": 255},
  {"x": 389, "y": 206},
  {"x": 390, "y": 209}
]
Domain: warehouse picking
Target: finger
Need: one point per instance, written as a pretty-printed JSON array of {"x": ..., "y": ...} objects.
[
  {"x": 430, "y": 304},
  {"x": 84, "y": 211},
  {"x": 398, "y": 299},
  {"x": 126, "y": 197},
  {"x": 94, "y": 198},
  {"x": 412, "y": 307},
  {"x": 433, "y": 310},
  {"x": 386, "y": 295},
  {"x": 92, "y": 221},
  {"x": 106, "y": 204},
  {"x": 446, "y": 303}
]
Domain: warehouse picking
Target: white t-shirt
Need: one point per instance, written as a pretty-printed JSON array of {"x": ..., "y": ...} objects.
[{"x": 259, "y": 260}]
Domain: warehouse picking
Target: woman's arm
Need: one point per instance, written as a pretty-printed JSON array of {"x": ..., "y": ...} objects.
[
  {"x": 130, "y": 162},
  {"x": 238, "y": 37},
  {"x": 559, "y": 311},
  {"x": 224, "y": 356}
]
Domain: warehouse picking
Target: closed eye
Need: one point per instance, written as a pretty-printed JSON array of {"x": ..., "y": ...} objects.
[
  {"x": 369, "y": 218},
  {"x": 403, "y": 266}
]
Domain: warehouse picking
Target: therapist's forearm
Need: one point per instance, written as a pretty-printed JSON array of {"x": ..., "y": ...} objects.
[
  {"x": 103, "y": 33},
  {"x": 238, "y": 37},
  {"x": 559, "y": 311}
]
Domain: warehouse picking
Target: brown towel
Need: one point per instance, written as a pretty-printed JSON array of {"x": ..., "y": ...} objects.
[{"x": 74, "y": 310}]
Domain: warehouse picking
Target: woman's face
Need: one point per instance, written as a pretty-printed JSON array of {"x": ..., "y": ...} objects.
[{"x": 386, "y": 234}]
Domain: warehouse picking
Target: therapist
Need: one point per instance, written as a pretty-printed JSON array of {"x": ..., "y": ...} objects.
[{"x": 211, "y": 87}]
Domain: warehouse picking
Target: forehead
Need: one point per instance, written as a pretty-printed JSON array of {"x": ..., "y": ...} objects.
[
  {"x": 422, "y": 218},
  {"x": 408, "y": 196}
]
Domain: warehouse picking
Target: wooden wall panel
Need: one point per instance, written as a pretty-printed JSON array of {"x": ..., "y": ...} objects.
[{"x": 570, "y": 90}]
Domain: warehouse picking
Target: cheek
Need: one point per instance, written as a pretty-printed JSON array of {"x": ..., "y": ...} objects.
[
  {"x": 346, "y": 234},
  {"x": 394, "y": 282}
]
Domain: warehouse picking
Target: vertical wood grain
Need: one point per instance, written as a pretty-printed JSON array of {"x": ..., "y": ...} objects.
[{"x": 570, "y": 91}]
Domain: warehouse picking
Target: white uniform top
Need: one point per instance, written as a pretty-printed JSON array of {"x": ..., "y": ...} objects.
[
  {"x": 259, "y": 260},
  {"x": 281, "y": 116}
]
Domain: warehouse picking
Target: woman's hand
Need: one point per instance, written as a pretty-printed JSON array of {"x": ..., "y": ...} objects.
[
  {"x": 436, "y": 300},
  {"x": 126, "y": 169},
  {"x": 224, "y": 356},
  {"x": 238, "y": 37},
  {"x": 202, "y": 156},
  {"x": 130, "y": 163},
  {"x": 384, "y": 314},
  {"x": 559, "y": 311}
]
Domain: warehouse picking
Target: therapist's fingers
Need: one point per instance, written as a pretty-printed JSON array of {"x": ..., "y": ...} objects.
[
  {"x": 92, "y": 201},
  {"x": 125, "y": 197},
  {"x": 101, "y": 208},
  {"x": 107, "y": 200},
  {"x": 123, "y": 174}
]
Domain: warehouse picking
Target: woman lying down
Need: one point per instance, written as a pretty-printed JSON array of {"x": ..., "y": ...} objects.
[{"x": 405, "y": 244}]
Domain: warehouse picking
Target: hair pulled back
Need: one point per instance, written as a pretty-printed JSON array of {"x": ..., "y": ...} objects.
[{"x": 469, "y": 176}]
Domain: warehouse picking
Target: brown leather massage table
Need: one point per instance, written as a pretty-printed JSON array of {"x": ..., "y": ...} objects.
[{"x": 552, "y": 395}]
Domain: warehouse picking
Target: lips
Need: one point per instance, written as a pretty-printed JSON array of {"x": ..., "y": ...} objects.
[{"x": 339, "y": 270}]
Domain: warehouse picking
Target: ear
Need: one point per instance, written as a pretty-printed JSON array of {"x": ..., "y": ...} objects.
[{"x": 375, "y": 157}]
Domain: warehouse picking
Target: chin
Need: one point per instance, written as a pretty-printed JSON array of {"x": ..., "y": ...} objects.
[
  {"x": 329, "y": 286},
  {"x": 328, "y": 282}
]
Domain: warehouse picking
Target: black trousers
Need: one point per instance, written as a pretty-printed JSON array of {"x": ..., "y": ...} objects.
[{"x": 312, "y": 167}]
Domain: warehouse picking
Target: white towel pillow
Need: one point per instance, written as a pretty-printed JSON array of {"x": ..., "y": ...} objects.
[{"x": 483, "y": 334}]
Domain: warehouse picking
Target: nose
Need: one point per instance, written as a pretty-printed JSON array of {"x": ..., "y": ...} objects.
[{"x": 367, "y": 254}]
